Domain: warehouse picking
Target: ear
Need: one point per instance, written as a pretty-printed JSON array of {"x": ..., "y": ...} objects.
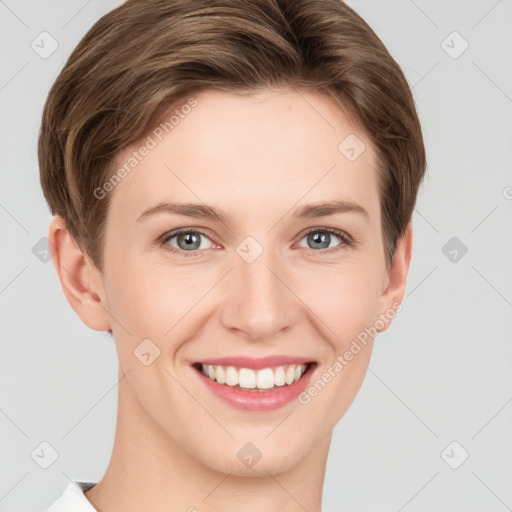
[
  {"x": 396, "y": 281},
  {"x": 81, "y": 281}
]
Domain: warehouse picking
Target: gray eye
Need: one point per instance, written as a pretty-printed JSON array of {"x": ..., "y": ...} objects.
[
  {"x": 188, "y": 241},
  {"x": 321, "y": 239}
]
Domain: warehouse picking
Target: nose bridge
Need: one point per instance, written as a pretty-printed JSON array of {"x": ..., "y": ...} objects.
[{"x": 258, "y": 302}]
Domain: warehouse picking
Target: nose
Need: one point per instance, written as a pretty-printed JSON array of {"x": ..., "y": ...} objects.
[{"x": 259, "y": 303}]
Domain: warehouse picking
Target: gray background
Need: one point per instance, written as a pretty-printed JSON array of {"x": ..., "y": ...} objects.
[{"x": 441, "y": 374}]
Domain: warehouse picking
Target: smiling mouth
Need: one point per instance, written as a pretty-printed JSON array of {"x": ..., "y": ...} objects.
[{"x": 248, "y": 379}]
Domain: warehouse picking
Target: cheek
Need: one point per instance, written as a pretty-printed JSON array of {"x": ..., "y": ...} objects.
[
  {"x": 155, "y": 301},
  {"x": 345, "y": 302},
  {"x": 344, "y": 298}
]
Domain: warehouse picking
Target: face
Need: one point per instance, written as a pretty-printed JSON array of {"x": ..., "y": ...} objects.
[{"x": 253, "y": 279}]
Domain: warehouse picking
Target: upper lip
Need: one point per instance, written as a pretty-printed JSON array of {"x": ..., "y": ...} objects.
[{"x": 256, "y": 363}]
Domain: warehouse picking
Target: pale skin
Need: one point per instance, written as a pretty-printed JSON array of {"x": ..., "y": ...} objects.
[{"x": 258, "y": 159}]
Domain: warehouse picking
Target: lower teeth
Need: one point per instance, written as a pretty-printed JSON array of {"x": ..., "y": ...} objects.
[{"x": 254, "y": 389}]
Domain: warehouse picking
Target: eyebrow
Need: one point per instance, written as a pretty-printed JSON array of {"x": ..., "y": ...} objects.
[{"x": 207, "y": 212}]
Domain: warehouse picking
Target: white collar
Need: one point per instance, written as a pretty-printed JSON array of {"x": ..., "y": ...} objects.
[{"x": 73, "y": 498}]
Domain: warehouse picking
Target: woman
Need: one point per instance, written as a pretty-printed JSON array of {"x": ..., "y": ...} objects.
[{"x": 232, "y": 186}]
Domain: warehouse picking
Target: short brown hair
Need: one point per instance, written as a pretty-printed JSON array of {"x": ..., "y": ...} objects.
[{"x": 144, "y": 57}]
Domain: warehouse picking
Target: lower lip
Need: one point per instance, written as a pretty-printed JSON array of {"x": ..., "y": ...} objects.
[{"x": 258, "y": 400}]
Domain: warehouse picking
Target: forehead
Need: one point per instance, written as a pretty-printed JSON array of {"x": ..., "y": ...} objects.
[{"x": 269, "y": 147}]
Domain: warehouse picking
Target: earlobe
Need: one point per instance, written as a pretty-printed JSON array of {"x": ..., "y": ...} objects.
[
  {"x": 397, "y": 274},
  {"x": 75, "y": 272}
]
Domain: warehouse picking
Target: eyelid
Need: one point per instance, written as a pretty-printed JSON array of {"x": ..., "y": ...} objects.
[
  {"x": 342, "y": 234},
  {"x": 174, "y": 232}
]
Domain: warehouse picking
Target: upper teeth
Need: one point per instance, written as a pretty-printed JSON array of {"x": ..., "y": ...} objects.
[{"x": 265, "y": 378}]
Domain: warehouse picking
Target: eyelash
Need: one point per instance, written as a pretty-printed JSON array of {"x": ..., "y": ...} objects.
[{"x": 346, "y": 240}]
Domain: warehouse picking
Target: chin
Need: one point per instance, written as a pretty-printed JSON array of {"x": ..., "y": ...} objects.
[{"x": 254, "y": 459}]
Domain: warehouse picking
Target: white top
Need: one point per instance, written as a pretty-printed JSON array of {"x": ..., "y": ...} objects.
[{"x": 73, "y": 498}]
